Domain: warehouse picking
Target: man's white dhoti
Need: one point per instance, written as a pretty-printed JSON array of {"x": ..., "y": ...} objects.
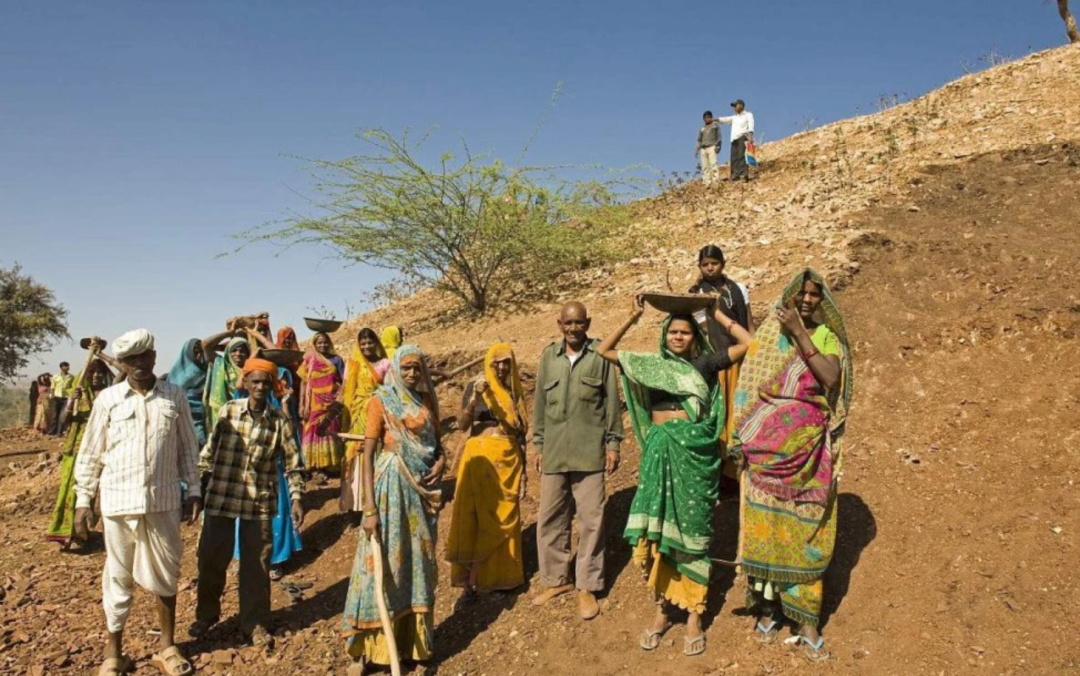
[{"x": 141, "y": 549}]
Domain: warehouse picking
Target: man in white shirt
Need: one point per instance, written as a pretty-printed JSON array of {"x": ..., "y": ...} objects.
[
  {"x": 742, "y": 132},
  {"x": 138, "y": 446}
]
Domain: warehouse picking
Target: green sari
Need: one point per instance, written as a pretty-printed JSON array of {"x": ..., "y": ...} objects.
[
  {"x": 63, "y": 518},
  {"x": 221, "y": 383},
  {"x": 680, "y": 459}
]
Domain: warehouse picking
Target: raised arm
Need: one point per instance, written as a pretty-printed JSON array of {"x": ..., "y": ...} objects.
[
  {"x": 826, "y": 368},
  {"x": 212, "y": 345},
  {"x": 469, "y": 399},
  {"x": 607, "y": 346},
  {"x": 735, "y": 330}
]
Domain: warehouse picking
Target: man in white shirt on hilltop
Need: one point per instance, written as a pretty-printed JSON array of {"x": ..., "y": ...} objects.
[
  {"x": 138, "y": 446},
  {"x": 742, "y": 132}
]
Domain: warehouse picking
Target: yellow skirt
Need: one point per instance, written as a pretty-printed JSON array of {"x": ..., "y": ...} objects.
[
  {"x": 666, "y": 582},
  {"x": 485, "y": 529},
  {"x": 412, "y": 633}
]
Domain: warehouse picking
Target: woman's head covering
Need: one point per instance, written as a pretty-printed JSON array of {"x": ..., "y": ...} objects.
[
  {"x": 506, "y": 404},
  {"x": 667, "y": 371},
  {"x": 232, "y": 374},
  {"x": 391, "y": 340},
  {"x": 328, "y": 339},
  {"x": 401, "y": 400},
  {"x": 831, "y": 317},
  {"x": 284, "y": 333},
  {"x": 186, "y": 373}
]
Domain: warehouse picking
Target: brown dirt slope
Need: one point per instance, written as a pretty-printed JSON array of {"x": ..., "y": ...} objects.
[{"x": 958, "y": 510}]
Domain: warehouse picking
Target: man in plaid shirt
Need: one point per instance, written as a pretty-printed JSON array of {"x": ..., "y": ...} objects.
[{"x": 239, "y": 467}]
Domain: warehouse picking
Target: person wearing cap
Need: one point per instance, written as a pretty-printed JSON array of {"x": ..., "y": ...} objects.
[
  {"x": 139, "y": 444},
  {"x": 239, "y": 467},
  {"x": 742, "y": 132},
  {"x": 707, "y": 148}
]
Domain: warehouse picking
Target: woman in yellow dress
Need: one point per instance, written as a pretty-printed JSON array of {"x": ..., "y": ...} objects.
[
  {"x": 484, "y": 546},
  {"x": 364, "y": 373}
]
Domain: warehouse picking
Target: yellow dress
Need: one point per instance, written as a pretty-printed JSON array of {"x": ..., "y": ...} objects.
[{"x": 485, "y": 529}]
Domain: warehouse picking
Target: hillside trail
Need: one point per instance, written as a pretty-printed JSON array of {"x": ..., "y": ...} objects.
[{"x": 959, "y": 509}]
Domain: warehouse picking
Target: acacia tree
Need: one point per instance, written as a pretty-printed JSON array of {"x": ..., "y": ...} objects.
[
  {"x": 30, "y": 320},
  {"x": 471, "y": 226}
]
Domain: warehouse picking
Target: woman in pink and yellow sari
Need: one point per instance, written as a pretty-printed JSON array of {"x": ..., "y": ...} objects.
[
  {"x": 792, "y": 400},
  {"x": 323, "y": 374}
]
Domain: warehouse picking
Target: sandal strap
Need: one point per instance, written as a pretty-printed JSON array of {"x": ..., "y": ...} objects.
[{"x": 816, "y": 647}]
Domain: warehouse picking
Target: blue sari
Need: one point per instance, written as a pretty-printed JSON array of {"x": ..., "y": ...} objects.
[
  {"x": 408, "y": 515},
  {"x": 190, "y": 376}
]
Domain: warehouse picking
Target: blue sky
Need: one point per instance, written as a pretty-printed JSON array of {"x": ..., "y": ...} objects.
[{"x": 136, "y": 137}]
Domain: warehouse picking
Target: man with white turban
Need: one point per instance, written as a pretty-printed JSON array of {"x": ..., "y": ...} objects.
[{"x": 138, "y": 446}]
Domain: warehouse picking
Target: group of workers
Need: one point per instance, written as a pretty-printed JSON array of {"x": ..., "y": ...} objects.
[{"x": 229, "y": 432}]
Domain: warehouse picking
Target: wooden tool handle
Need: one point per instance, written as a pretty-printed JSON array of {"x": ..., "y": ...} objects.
[{"x": 380, "y": 601}]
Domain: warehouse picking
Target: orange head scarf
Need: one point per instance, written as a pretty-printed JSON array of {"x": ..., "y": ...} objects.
[{"x": 254, "y": 364}]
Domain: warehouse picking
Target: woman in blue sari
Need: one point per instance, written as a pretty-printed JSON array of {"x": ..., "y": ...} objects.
[{"x": 401, "y": 502}]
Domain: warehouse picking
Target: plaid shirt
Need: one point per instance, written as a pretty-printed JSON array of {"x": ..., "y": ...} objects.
[{"x": 241, "y": 460}]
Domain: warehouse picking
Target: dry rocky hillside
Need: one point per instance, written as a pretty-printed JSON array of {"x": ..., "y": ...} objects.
[{"x": 949, "y": 224}]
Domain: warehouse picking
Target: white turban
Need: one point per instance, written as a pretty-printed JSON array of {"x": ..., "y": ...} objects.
[{"x": 133, "y": 343}]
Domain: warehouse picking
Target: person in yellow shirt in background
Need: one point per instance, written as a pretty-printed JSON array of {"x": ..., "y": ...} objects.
[{"x": 62, "y": 384}]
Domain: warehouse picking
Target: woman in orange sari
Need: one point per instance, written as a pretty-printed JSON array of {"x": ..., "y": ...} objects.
[
  {"x": 484, "y": 547},
  {"x": 322, "y": 373}
]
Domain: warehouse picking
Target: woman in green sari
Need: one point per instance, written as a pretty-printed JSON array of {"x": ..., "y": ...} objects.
[
  {"x": 223, "y": 378},
  {"x": 794, "y": 391},
  {"x": 677, "y": 411},
  {"x": 95, "y": 379}
]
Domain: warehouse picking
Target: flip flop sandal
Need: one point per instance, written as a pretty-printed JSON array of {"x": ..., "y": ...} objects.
[
  {"x": 295, "y": 593},
  {"x": 261, "y": 637},
  {"x": 767, "y": 634},
  {"x": 172, "y": 663},
  {"x": 650, "y": 640},
  {"x": 115, "y": 666},
  {"x": 815, "y": 652},
  {"x": 200, "y": 628},
  {"x": 694, "y": 645},
  {"x": 356, "y": 669},
  {"x": 276, "y": 574},
  {"x": 299, "y": 584}
]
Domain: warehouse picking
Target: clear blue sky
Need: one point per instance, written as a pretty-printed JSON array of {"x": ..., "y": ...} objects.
[{"x": 136, "y": 137}]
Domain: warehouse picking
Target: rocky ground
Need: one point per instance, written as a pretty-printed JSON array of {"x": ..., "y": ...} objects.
[{"x": 955, "y": 249}]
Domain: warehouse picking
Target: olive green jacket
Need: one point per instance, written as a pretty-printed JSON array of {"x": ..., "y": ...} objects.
[{"x": 577, "y": 414}]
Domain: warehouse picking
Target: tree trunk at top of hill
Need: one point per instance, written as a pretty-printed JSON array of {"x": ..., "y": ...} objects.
[{"x": 1070, "y": 21}]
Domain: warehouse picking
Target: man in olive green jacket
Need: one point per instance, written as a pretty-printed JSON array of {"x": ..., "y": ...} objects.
[{"x": 577, "y": 429}]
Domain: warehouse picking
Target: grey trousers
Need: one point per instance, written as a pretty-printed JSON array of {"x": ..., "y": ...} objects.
[
  {"x": 561, "y": 496},
  {"x": 739, "y": 168},
  {"x": 215, "y": 554}
]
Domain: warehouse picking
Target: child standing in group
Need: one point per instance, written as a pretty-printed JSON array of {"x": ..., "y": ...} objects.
[{"x": 735, "y": 303}]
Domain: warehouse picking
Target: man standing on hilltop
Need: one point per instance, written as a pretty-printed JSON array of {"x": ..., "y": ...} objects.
[
  {"x": 707, "y": 148},
  {"x": 742, "y": 132},
  {"x": 577, "y": 429}
]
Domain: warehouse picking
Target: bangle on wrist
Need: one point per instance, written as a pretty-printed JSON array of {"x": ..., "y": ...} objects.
[
  {"x": 373, "y": 512},
  {"x": 811, "y": 354}
]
